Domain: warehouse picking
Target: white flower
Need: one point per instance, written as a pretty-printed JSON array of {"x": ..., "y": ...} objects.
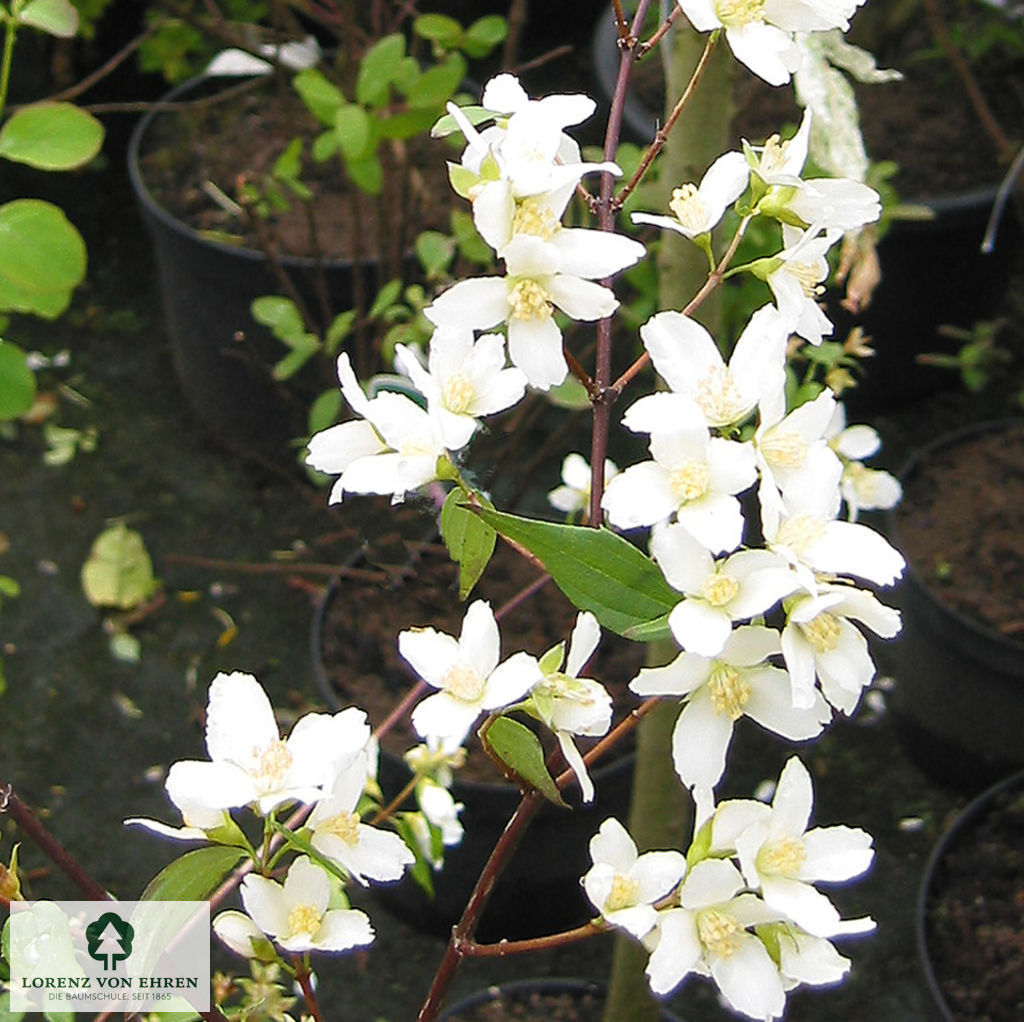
[
  {"x": 708, "y": 935},
  {"x": 571, "y": 705},
  {"x": 806, "y": 959},
  {"x": 718, "y": 593},
  {"x": 692, "y": 475},
  {"x": 539, "y": 277},
  {"x": 237, "y": 932},
  {"x": 573, "y": 496},
  {"x": 782, "y": 859},
  {"x": 251, "y": 764},
  {"x": 796, "y": 281},
  {"x": 438, "y": 810},
  {"x": 793, "y": 456},
  {"x": 821, "y": 641},
  {"x": 296, "y": 913},
  {"x": 814, "y": 541},
  {"x": 622, "y": 885},
  {"x": 393, "y": 452},
  {"x": 688, "y": 359},
  {"x": 467, "y": 672},
  {"x": 464, "y": 380},
  {"x": 862, "y": 488},
  {"x": 698, "y": 209},
  {"x": 198, "y": 821},
  {"x": 363, "y": 851},
  {"x": 717, "y": 692}
]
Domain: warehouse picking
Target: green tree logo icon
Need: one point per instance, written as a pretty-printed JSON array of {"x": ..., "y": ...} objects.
[{"x": 110, "y": 940}]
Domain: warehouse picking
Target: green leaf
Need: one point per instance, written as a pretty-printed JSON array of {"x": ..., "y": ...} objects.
[
  {"x": 520, "y": 750},
  {"x": 320, "y": 96},
  {"x": 51, "y": 136},
  {"x": 434, "y": 251},
  {"x": 470, "y": 541},
  {"x": 59, "y": 1016},
  {"x": 447, "y": 125},
  {"x": 437, "y": 85},
  {"x": 597, "y": 569},
  {"x": 650, "y": 631},
  {"x": 377, "y": 69},
  {"x": 278, "y": 313},
  {"x": 9, "y": 587},
  {"x": 386, "y": 297},
  {"x": 340, "y": 328},
  {"x": 42, "y": 258},
  {"x": 353, "y": 130},
  {"x": 193, "y": 877},
  {"x": 484, "y": 34},
  {"x": 55, "y": 17},
  {"x": 6, "y": 1014},
  {"x": 17, "y": 382},
  {"x": 118, "y": 571},
  {"x": 324, "y": 146},
  {"x": 438, "y": 28},
  {"x": 324, "y": 410},
  {"x": 406, "y": 123},
  {"x": 366, "y": 174}
]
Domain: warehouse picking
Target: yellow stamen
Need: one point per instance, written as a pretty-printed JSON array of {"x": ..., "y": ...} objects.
[
  {"x": 623, "y": 893},
  {"x": 689, "y": 208},
  {"x": 532, "y": 219},
  {"x": 303, "y": 919},
  {"x": 729, "y": 692},
  {"x": 719, "y": 398},
  {"x": 272, "y": 766},
  {"x": 784, "y": 856},
  {"x": 689, "y": 480},
  {"x": 457, "y": 394},
  {"x": 463, "y": 682},
  {"x": 528, "y": 300},
  {"x": 719, "y": 932},
  {"x": 783, "y": 448},
  {"x": 344, "y": 826},
  {"x": 719, "y": 589},
  {"x": 822, "y": 632}
]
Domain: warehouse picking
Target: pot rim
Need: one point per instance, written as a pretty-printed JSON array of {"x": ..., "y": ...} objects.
[
  {"x": 323, "y": 683},
  {"x": 980, "y": 632},
  {"x": 540, "y": 984},
  {"x": 178, "y": 227},
  {"x": 963, "y": 821}
]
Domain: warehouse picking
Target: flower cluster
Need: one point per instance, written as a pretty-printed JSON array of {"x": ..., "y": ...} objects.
[{"x": 741, "y": 907}]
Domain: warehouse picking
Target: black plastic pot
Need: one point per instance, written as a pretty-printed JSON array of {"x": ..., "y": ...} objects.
[
  {"x": 527, "y": 991},
  {"x": 959, "y": 691},
  {"x": 222, "y": 357},
  {"x": 540, "y": 891},
  {"x": 931, "y": 886}
]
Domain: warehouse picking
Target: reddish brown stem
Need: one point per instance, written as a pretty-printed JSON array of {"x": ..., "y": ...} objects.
[{"x": 503, "y": 948}]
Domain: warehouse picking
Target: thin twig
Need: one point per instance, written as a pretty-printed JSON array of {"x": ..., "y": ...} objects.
[
  {"x": 502, "y": 948},
  {"x": 287, "y": 568}
]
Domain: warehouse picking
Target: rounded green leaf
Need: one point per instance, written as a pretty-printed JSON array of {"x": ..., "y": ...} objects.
[
  {"x": 377, "y": 69},
  {"x": 40, "y": 250},
  {"x": 438, "y": 27},
  {"x": 519, "y": 749},
  {"x": 118, "y": 572},
  {"x": 51, "y": 136},
  {"x": 352, "y": 127},
  {"x": 17, "y": 382},
  {"x": 55, "y": 17}
]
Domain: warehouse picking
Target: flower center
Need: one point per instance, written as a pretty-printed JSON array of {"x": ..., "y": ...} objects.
[
  {"x": 808, "y": 276},
  {"x": 689, "y": 480},
  {"x": 800, "y": 533},
  {"x": 457, "y": 393},
  {"x": 272, "y": 766},
  {"x": 729, "y": 692},
  {"x": 784, "y": 448},
  {"x": 737, "y": 13},
  {"x": 784, "y": 856},
  {"x": 773, "y": 155},
  {"x": 719, "y": 398},
  {"x": 719, "y": 589},
  {"x": 719, "y": 932},
  {"x": 623, "y": 893},
  {"x": 528, "y": 300},
  {"x": 689, "y": 208},
  {"x": 344, "y": 826},
  {"x": 463, "y": 683},
  {"x": 532, "y": 219},
  {"x": 303, "y": 919},
  {"x": 822, "y": 632}
]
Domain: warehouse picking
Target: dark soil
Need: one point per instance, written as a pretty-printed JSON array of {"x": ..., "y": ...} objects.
[
  {"x": 975, "y": 916},
  {"x": 236, "y": 141},
  {"x": 536, "y": 1006},
  {"x": 360, "y": 637},
  {"x": 961, "y": 527}
]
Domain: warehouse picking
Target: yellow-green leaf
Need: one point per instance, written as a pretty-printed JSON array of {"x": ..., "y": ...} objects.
[
  {"x": 51, "y": 136},
  {"x": 470, "y": 540},
  {"x": 55, "y": 17},
  {"x": 194, "y": 876},
  {"x": 118, "y": 572}
]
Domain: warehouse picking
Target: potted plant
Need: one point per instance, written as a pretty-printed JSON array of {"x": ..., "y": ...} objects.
[
  {"x": 960, "y": 662},
  {"x": 969, "y": 919},
  {"x": 286, "y": 198}
]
